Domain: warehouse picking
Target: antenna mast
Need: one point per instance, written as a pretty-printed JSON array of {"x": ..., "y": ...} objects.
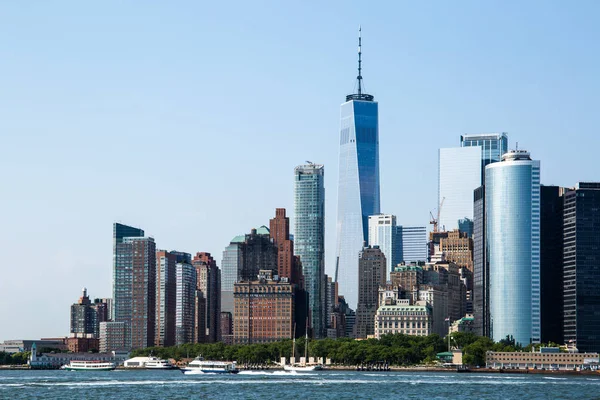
[{"x": 359, "y": 77}]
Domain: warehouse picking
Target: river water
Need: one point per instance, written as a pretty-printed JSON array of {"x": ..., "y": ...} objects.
[{"x": 147, "y": 385}]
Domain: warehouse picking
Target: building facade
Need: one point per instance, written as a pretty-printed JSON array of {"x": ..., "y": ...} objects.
[
  {"x": 358, "y": 186},
  {"x": 384, "y": 232},
  {"x": 84, "y": 317},
  {"x": 264, "y": 310},
  {"x": 165, "y": 298},
  {"x": 481, "y": 303},
  {"x": 185, "y": 304},
  {"x": 115, "y": 336},
  {"x": 414, "y": 243},
  {"x": 208, "y": 282},
  {"x": 581, "y": 273},
  {"x": 459, "y": 174},
  {"x": 371, "y": 275},
  {"x": 493, "y": 147},
  {"x": 404, "y": 318},
  {"x": 512, "y": 197},
  {"x": 309, "y": 239}
]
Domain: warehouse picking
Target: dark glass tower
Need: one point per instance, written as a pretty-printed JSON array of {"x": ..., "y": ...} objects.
[
  {"x": 358, "y": 187},
  {"x": 581, "y": 269}
]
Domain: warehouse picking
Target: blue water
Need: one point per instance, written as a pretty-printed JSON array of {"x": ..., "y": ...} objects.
[{"x": 147, "y": 385}]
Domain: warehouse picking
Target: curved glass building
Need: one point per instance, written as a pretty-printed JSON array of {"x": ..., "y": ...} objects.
[
  {"x": 512, "y": 203},
  {"x": 358, "y": 188}
]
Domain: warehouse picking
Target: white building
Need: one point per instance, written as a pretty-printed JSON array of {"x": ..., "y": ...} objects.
[
  {"x": 404, "y": 318},
  {"x": 384, "y": 233}
]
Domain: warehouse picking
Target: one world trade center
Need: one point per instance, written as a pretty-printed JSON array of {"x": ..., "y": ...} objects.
[{"x": 358, "y": 186}]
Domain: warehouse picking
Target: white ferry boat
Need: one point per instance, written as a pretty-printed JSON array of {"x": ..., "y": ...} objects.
[
  {"x": 157, "y": 363},
  {"x": 89, "y": 366},
  {"x": 202, "y": 366}
]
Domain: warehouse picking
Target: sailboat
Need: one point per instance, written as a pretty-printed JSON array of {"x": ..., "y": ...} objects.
[{"x": 301, "y": 367}]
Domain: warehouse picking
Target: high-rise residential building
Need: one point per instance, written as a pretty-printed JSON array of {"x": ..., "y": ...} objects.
[
  {"x": 122, "y": 272},
  {"x": 166, "y": 297},
  {"x": 371, "y": 275},
  {"x": 279, "y": 229},
  {"x": 384, "y": 232},
  {"x": 358, "y": 189},
  {"x": 134, "y": 284},
  {"x": 264, "y": 310},
  {"x": 243, "y": 258},
  {"x": 481, "y": 303},
  {"x": 512, "y": 200},
  {"x": 208, "y": 283},
  {"x": 185, "y": 304},
  {"x": 551, "y": 263},
  {"x": 581, "y": 272},
  {"x": 309, "y": 239},
  {"x": 414, "y": 243},
  {"x": 84, "y": 319},
  {"x": 115, "y": 336},
  {"x": 226, "y": 327},
  {"x": 493, "y": 146},
  {"x": 459, "y": 174}
]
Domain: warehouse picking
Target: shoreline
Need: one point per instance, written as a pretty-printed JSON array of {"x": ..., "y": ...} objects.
[{"x": 392, "y": 369}]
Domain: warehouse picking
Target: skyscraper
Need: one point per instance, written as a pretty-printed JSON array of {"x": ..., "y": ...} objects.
[
  {"x": 414, "y": 243},
  {"x": 384, "y": 233},
  {"x": 84, "y": 319},
  {"x": 165, "y": 298},
  {"x": 371, "y": 275},
  {"x": 481, "y": 270},
  {"x": 358, "y": 188},
  {"x": 185, "y": 305},
  {"x": 551, "y": 263},
  {"x": 459, "y": 174},
  {"x": 208, "y": 282},
  {"x": 134, "y": 284},
  {"x": 581, "y": 273},
  {"x": 512, "y": 200},
  {"x": 309, "y": 239},
  {"x": 493, "y": 146}
]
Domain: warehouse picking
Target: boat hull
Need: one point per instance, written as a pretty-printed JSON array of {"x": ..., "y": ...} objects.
[
  {"x": 308, "y": 368},
  {"x": 88, "y": 369},
  {"x": 197, "y": 371}
]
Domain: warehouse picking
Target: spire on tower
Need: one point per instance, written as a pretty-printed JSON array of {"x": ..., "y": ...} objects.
[
  {"x": 359, "y": 77},
  {"x": 359, "y": 94}
]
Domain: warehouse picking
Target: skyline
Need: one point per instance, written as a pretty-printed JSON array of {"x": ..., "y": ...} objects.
[{"x": 87, "y": 112}]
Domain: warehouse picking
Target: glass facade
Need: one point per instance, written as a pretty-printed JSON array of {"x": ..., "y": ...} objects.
[
  {"x": 480, "y": 266},
  {"x": 358, "y": 188},
  {"x": 414, "y": 243},
  {"x": 512, "y": 199},
  {"x": 581, "y": 272},
  {"x": 493, "y": 147},
  {"x": 185, "y": 278},
  {"x": 231, "y": 265},
  {"x": 459, "y": 174},
  {"x": 384, "y": 233},
  {"x": 309, "y": 239}
]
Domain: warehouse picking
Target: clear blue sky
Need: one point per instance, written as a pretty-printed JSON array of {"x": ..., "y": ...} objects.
[{"x": 187, "y": 118}]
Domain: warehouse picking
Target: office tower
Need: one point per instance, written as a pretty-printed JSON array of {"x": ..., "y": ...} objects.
[
  {"x": 264, "y": 310},
  {"x": 309, "y": 239},
  {"x": 134, "y": 285},
  {"x": 493, "y": 146},
  {"x": 407, "y": 276},
  {"x": 465, "y": 225},
  {"x": 243, "y": 258},
  {"x": 279, "y": 229},
  {"x": 358, "y": 188},
  {"x": 457, "y": 247},
  {"x": 165, "y": 298},
  {"x": 199, "y": 317},
  {"x": 414, "y": 243},
  {"x": 459, "y": 174},
  {"x": 481, "y": 270},
  {"x": 512, "y": 200},
  {"x": 581, "y": 272},
  {"x": 551, "y": 263},
  {"x": 209, "y": 284},
  {"x": 185, "y": 304},
  {"x": 437, "y": 297},
  {"x": 371, "y": 275},
  {"x": 384, "y": 233},
  {"x": 83, "y": 317}
]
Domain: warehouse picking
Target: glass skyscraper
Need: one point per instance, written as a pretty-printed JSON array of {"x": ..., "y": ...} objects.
[
  {"x": 512, "y": 201},
  {"x": 493, "y": 146},
  {"x": 384, "y": 233},
  {"x": 309, "y": 239},
  {"x": 459, "y": 174},
  {"x": 358, "y": 187}
]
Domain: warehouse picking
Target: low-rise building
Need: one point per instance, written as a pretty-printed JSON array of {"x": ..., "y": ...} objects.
[
  {"x": 549, "y": 358},
  {"x": 19, "y": 346},
  {"x": 83, "y": 344},
  {"x": 403, "y": 317},
  {"x": 465, "y": 324}
]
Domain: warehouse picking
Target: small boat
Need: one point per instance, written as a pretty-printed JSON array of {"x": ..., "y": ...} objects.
[
  {"x": 157, "y": 363},
  {"x": 302, "y": 367},
  {"x": 202, "y": 366},
  {"x": 89, "y": 366}
]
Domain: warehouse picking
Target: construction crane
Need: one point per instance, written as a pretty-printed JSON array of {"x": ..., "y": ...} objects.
[{"x": 435, "y": 221}]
